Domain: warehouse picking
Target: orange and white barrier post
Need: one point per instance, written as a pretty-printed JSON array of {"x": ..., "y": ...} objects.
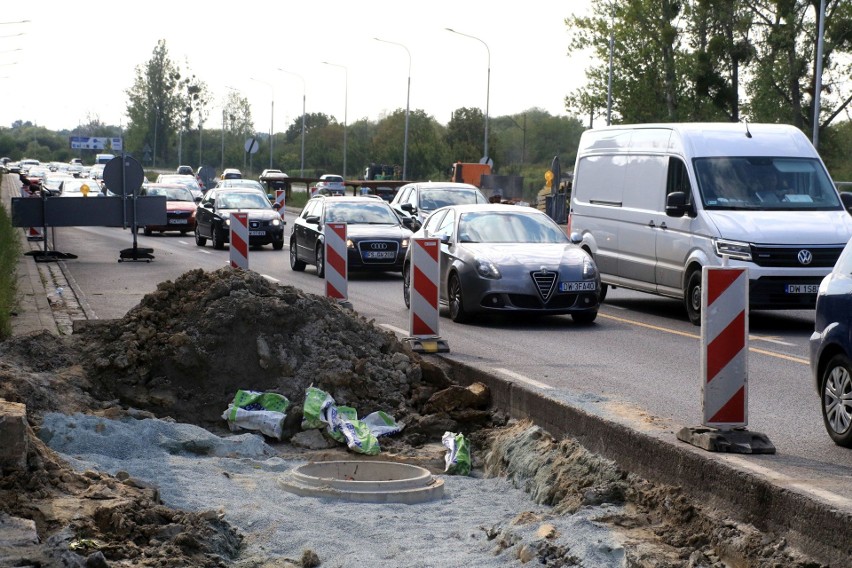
[
  {"x": 336, "y": 262},
  {"x": 724, "y": 347},
  {"x": 239, "y": 240},
  {"x": 425, "y": 274},
  {"x": 280, "y": 198},
  {"x": 724, "y": 366}
]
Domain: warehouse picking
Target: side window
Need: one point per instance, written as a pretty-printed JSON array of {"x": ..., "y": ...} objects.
[
  {"x": 433, "y": 223},
  {"x": 447, "y": 224},
  {"x": 403, "y": 195},
  {"x": 310, "y": 208},
  {"x": 678, "y": 178},
  {"x": 412, "y": 197}
]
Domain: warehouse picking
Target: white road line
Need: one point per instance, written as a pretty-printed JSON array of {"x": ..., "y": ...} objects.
[
  {"x": 204, "y": 251},
  {"x": 270, "y": 278},
  {"x": 522, "y": 378},
  {"x": 770, "y": 340},
  {"x": 394, "y": 329}
]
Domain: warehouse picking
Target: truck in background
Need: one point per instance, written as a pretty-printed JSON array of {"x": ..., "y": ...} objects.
[
  {"x": 469, "y": 172},
  {"x": 103, "y": 158}
]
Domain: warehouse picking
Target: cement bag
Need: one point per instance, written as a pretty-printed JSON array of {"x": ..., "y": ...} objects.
[
  {"x": 381, "y": 424},
  {"x": 317, "y": 403},
  {"x": 251, "y": 410}
]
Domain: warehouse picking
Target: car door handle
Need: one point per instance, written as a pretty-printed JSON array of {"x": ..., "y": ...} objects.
[
  {"x": 663, "y": 225},
  {"x": 651, "y": 224}
]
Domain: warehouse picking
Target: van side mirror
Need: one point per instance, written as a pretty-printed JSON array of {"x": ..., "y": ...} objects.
[
  {"x": 846, "y": 199},
  {"x": 676, "y": 205},
  {"x": 408, "y": 207}
]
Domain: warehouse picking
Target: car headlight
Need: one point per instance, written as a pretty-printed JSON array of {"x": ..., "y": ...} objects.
[
  {"x": 350, "y": 244},
  {"x": 590, "y": 271},
  {"x": 733, "y": 249},
  {"x": 487, "y": 269},
  {"x": 226, "y": 221},
  {"x": 275, "y": 222},
  {"x": 404, "y": 243}
]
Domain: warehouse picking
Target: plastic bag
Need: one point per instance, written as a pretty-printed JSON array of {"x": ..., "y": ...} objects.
[
  {"x": 457, "y": 459},
  {"x": 316, "y": 407},
  {"x": 252, "y": 410}
]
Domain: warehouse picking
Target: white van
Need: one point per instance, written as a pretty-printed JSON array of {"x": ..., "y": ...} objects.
[{"x": 656, "y": 202}]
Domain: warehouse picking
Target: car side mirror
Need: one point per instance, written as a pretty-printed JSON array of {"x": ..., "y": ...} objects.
[
  {"x": 312, "y": 219},
  {"x": 408, "y": 207},
  {"x": 576, "y": 237},
  {"x": 197, "y": 200},
  {"x": 676, "y": 205},
  {"x": 445, "y": 239},
  {"x": 846, "y": 199},
  {"x": 409, "y": 223}
]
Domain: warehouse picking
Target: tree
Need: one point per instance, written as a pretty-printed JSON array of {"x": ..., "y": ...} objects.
[{"x": 464, "y": 135}]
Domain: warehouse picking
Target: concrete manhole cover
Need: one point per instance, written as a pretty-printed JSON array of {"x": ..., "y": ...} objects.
[{"x": 364, "y": 481}]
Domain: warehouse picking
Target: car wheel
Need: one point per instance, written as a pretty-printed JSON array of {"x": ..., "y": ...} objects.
[
  {"x": 216, "y": 239},
  {"x": 295, "y": 263},
  {"x": 278, "y": 245},
  {"x": 584, "y": 318},
  {"x": 147, "y": 232},
  {"x": 836, "y": 392},
  {"x": 454, "y": 293},
  {"x": 199, "y": 240},
  {"x": 320, "y": 256},
  {"x": 406, "y": 285},
  {"x": 692, "y": 297},
  {"x": 604, "y": 290}
]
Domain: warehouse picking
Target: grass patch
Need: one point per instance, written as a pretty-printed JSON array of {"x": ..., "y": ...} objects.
[{"x": 10, "y": 250}]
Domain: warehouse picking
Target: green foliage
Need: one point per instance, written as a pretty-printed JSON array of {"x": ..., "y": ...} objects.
[{"x": 10, "y": 250}]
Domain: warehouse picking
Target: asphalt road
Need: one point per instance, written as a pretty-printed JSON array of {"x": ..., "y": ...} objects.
[{"x": 638, "y": 364}]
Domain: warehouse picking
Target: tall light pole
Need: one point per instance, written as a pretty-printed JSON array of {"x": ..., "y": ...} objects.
[
  {"x": 271, "y": 115},
  {"x": 345, "y": 110},
  {"x": 407, "y": 98},
  {"x": 302, "y": 171},
  {"x": 488, "y": 87},
  {"x": 818, "y": 74}
]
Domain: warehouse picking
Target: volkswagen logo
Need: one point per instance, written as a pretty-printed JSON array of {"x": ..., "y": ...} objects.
[
  {"x": 805, "y": 257},
  {"x": 254, "y": 224},
  {"x": 378, "y": 246}
]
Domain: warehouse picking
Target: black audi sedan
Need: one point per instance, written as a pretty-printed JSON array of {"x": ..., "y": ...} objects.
[
  {"x": 376, "y": 237},
  {"x": 213, "y": 217}
]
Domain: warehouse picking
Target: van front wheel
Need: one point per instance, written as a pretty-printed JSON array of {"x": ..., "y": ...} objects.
[{"x": 692, "y": 297}]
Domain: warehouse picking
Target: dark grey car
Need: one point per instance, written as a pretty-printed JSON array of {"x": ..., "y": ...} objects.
[{"x": 213, "y": 218}]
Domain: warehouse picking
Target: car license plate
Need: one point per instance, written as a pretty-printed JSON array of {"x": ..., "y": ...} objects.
[
  {"x": 178, "y": 221},
  {"x": 577, "y": 286},
  {"x": 379, "y": 255},
  {"x": 801, "y": 288},
  {"x": 257, "y": 233}
]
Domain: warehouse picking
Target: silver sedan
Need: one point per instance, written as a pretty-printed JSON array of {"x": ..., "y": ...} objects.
[{"x": 508, "y": 258}]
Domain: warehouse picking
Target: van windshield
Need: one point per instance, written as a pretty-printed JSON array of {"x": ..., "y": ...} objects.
[{"x": 784, "y": 184}]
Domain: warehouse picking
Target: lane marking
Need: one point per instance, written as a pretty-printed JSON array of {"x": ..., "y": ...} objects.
[
  {"x": 394, "y": 329},
  {"x": 270, "y": 278},
  {"x": 522, "y": 378},
  {"x": 770, "y": 340},
  {"x": 204, "y": 251},
  {"x": 694, "y": 336}
]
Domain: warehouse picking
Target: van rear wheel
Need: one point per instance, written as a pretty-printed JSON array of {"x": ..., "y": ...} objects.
[{"x": 692, "y": 297}]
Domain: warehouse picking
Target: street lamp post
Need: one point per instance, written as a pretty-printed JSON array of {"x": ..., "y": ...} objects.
[
  {"x": 345, "y": 110},
  {"x": 407, "y": 99},
  {"x": 488, "y": 86},
  {"x": 271, "y": 115},
  {"x": 302, "y": 172}
]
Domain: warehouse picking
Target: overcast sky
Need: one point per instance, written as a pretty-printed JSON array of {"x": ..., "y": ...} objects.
[{"x": 73, "y": 61}]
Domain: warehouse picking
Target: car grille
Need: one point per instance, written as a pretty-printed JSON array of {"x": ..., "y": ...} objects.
[
  {"x": 788, "y": 257},
  {"x": 545, "y": 283},
  {"x": 379, "y": 247}
]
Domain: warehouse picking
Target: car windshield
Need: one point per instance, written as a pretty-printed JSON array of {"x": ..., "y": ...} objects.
[
  {"x": 369, "y": 213},
  {"x": 788, "y": 184},
  {"x": 431, "y": 199},
  {"x": 243, "y": 183},
  {"x": 75, "y": 186},
  {"x": 338, "y": 179},
  {"x": 247, "y": 200},
  {"x": 171, "y": 193},
  {"x": 508, "y": 227}
]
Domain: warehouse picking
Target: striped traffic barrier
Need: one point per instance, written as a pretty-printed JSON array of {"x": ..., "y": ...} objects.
[
  {"x": 336, "y": 262},
  {"x": 724, "y": 366},
  {"x": 35, "y": 234},
  {"x": 280, "y": 198},
  {"x": 239, "y": 240},
  {"x": 425, "y": 276}
]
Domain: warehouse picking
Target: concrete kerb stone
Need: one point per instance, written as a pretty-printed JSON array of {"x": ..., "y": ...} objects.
[{"x": 806, "y": 522}]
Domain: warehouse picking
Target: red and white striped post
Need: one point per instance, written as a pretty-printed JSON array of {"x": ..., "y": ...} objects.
[
  {"x": 425, "y": 275},
  {"x": 724, "y": 366},
  {"x": 336, "y": 261},
  {"x": 724, "y": 347},
  {"x": 239, "y": 240},
  {"x": 280, "y": 198}
]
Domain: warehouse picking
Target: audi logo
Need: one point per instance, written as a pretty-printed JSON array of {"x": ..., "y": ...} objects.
[
  {"x": 805, "y": 256},
  {"x": 378, "y": 246},
  {"x": 254, "y": 224}
]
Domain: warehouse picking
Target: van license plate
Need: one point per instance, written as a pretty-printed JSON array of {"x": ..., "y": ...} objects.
[
  {"x": 801, "y": 288},
  {"x": 577, "y": 286}
]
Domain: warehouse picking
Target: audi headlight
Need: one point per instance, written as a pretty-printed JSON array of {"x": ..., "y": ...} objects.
[
  {"x": 733, "y": 249},
  {"x": 275, "y": 222},
  {"x": 590, "y": 271},
  {"x": 226, "y": 221},
  {"x": 487, "y": 269},
  {"x": 404, "y": 243},
  {"x": 350, "y": 244}
]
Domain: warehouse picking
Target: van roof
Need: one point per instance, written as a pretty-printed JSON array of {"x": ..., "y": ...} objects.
[{"x": 700, "y": 139}]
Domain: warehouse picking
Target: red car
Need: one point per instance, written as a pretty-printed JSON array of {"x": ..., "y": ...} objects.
[{"x": 180, "y": 208}]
